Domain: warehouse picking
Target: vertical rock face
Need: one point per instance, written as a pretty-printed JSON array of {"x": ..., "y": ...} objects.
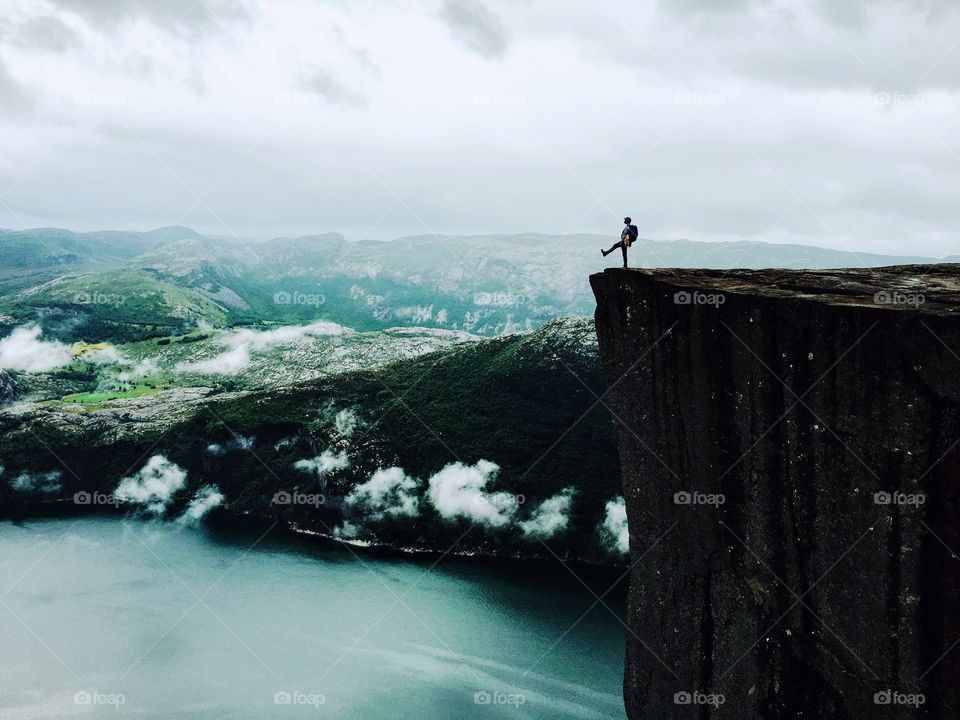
[{"x": 789, "y": 443}]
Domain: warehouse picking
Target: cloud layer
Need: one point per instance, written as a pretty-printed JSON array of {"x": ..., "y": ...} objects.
[
  {"x": 206, "y": 498},
  {"x": 153, "y": 486},
  {"x": 323, "y": 464},
  {"x": 459, "y": 491},
  {"x": 241, "y": 343},
  {"x": 24, "y": 350},
  {"x": 38, "y": 483},
  {"x": 614, "y": 533},
  {"x": 550, "y": 517},
  {"x": 389, "y": 492},
  {"x": 784, "y": 120}
]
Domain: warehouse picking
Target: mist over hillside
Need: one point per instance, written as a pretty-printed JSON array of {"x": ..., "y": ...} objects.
[{"x": 126, "y": 286}]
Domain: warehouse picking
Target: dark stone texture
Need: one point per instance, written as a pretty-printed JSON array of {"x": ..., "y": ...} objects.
[{"x": 798, "y": 398}]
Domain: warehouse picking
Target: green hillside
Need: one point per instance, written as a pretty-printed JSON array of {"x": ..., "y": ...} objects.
[
  {"x": 518, "y": 401},
  {"x": 173, "y": 279}
]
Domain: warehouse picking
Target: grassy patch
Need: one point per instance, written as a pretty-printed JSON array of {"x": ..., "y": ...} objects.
[{"x": 93, "y": 398}]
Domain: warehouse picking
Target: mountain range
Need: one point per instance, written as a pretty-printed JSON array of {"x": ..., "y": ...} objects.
[{"x": 127, "y": 286}]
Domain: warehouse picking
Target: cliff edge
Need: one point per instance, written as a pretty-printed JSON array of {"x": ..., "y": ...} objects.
[{"x": 789, "y": 444}]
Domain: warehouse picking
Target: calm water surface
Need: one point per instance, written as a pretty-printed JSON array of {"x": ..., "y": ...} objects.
[{"x": 111, "y": 618}]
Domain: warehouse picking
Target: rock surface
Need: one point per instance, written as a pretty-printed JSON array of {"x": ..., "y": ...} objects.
[{"x": 789, "y": 444}]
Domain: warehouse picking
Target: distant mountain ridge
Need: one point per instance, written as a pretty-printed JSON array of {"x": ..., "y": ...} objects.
[{"x": 172, "y": 279}]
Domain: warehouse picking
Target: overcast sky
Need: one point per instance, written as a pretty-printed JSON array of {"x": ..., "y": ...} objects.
[{"x": 827, "y": 122}]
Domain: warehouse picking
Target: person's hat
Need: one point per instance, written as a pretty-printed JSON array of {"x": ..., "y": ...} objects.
[{"x": 627, "y": 219}]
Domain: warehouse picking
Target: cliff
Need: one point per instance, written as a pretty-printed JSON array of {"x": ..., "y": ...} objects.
[{"x": 789, "y": 450}]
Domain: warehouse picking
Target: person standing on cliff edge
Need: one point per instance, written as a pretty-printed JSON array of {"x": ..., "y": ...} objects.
[{"x": 627, "y": 238}]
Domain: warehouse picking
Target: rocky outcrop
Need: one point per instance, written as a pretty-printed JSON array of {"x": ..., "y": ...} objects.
[
  {"x": 9, "y": 387},
  {"x": 789, "y": 444}
]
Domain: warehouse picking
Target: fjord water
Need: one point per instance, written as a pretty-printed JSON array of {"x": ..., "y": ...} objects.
[{"x": 113, "y": 618}]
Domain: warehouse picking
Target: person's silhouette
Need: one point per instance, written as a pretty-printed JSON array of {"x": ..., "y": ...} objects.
[{"x": 627, "y": 238}]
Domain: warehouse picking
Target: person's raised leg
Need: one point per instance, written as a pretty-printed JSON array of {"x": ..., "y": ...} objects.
[{"x": 612, "y": 248}]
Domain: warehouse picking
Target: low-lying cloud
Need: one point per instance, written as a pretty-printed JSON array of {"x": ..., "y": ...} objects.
[
  {"x": 147, "y": 366},
  {"x": 36, "y": 484},
  {"x": 345, "y": 422},
  {"x": 239, "y": 442},
  {"x": 389, "y": 492},
  {"x": 153, "y": 486},
  {"x": 459, "y": 491},
  {"x": 105, "y": 356},
  {"x": 24, "y": 350},
  {"x": 550, "y": 517},
  {"x": 205, "y": 499},
  {"x": 323, "y": 464},
  {"x": 226, "y": 363},
  {"x": 613, "y": 530},
  {"x": 241, "y": 344}
]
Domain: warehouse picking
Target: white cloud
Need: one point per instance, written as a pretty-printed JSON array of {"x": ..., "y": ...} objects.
[
  {"x": 242, "y": 343},
  {"x": 45, "y": 483},
  {"x": 147, "y": 366},
  {"x": 283, "y": 442},
  {"x": 24, "y": 350},
  {"x": 226, "y": 363},
  {"x": 324, "y": 464},
  {"x": 204, "y": 500},
  {"x": 550, "y": 517},
  {"x": 389, "y": 492},
  {"x": 345, "y": 422},
  {"x": 239, "y": 442},
  {"x": 613, "y": 530},
  {"x": 476, "y": 26},
  {"x": 263, "y": 339},
  {"x": 459, "y": 491},
  {"x": 105, "y": 356},
  {"x": 797, "y": 116},
  {"x": 154, "y": 485}
]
